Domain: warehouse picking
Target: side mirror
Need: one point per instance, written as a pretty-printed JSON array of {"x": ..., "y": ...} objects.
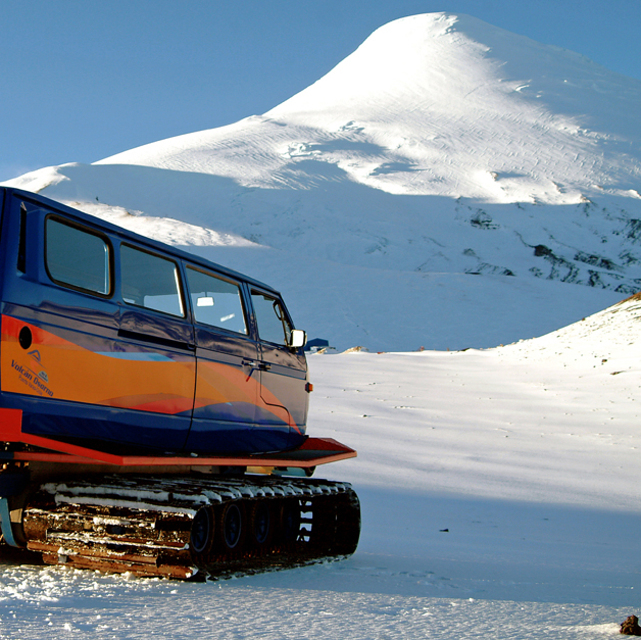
[{"x": 297, "y": 339}]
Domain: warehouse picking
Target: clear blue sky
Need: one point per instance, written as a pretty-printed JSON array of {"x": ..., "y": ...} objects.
[{"x": 84, "y": 79}]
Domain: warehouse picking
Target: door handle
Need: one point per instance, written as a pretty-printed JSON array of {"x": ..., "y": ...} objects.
[{"x": 262, "y": 366}]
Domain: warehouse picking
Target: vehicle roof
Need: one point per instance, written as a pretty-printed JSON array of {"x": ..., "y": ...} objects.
[{"x": 110, "y": 228}]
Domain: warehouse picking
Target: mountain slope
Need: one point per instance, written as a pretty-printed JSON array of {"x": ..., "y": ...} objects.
[
  {"x": 442, "y": 145},
  {"x": 436, "y": 104}
]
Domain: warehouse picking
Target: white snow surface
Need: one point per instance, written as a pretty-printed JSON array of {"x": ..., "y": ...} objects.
[
  {"x": 499, "y": 493},
  {"x": 448, "y": 185}
]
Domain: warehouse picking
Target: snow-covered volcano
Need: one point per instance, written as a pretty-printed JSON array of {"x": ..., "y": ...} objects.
[
  {"x": 436, "y": 104},
  {"x": 442, "y": 147}
]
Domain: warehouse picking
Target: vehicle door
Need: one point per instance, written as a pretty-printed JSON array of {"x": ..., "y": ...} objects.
[
  {"x": 283, "y": 370},
  {"x": 154, "y": 367},
  {"x": 227, "y": 376}
]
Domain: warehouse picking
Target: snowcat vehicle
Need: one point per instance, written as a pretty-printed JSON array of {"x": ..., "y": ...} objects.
[{"x": 153, "y": 408}]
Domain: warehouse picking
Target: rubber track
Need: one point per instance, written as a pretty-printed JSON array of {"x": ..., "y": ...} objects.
[{"x": 144, "y": 525}]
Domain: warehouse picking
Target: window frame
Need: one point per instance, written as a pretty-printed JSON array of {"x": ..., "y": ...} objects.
[
  {"x": 178, "y": 272},
  {"x": 218, "y": 276},
  {"x": 60, "y": 219},
  {"x": 284, "y": 310}
]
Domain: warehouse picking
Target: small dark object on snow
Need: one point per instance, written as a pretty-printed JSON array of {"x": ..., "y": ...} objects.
[{"x": 631, "y": 627}]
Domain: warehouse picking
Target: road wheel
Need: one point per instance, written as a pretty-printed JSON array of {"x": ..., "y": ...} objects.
[
  {"x": 289, "y": 521},
  {"x": 232, "y": 526},
  {"x": 203, "y": 529},
  {"x": 261, "y": 524}
]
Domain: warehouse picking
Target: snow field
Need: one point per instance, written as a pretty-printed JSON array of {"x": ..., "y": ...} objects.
[
  {"x": 499, "y": 494},
  {"x": 69, "y": 604}
]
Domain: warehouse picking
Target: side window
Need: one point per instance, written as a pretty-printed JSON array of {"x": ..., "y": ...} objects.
[
  {"x": 216, "y": 302},
  {"x": 273, "y": 325},
  {"x": 77, "y": 258},
  {"x": 150, "y": 281}
]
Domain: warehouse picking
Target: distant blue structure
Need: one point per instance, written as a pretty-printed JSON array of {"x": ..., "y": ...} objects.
[{"x": 315, "y": 344}]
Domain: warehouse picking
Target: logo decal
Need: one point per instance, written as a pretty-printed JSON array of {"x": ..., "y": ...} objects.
[
  {"x": 29, "y": 378},
  {"x": 35, "y": 354}
]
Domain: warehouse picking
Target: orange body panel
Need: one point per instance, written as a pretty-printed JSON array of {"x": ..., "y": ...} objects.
[{"x": 56, "y": 368}]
